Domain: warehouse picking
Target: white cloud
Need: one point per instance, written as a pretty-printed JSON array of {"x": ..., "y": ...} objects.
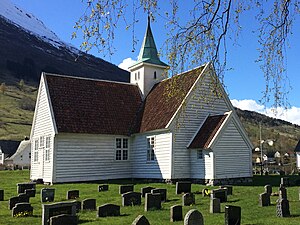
[
  {"x": 126, "y": 63},
  {"x": 291, "y": 115}
]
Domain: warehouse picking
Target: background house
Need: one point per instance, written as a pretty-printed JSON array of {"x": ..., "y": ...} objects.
[{"x": 21, "y": 159}]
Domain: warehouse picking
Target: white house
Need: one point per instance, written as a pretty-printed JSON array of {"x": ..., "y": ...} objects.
[
  {"x": 182, "y": 127},
  {"x": 22, "y": 157}
]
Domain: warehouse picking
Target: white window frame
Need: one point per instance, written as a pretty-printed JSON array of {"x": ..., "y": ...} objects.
[
  {"x": 42, "y": 141},
  {"x": 122, "y": 149},
  {"x": 36, "y": 150},
  {"x": 47, "y": 148},
  {"x": 151, "y": 149}
]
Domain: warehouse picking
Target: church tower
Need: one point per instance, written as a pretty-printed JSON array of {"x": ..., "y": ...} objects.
[{"x": 148, "y": 70}]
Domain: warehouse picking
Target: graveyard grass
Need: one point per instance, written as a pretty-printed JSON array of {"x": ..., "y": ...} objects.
[{"x": 244, "y": 196}]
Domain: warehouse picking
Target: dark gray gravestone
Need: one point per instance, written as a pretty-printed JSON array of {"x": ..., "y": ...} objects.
[
  {"x": 64, "y": 220},
  {"x": 219, "y": 193},
  {"x": 78, "y": 205},
  {"x": 283, "y": 208},
  {"x": 282, "y": 192},
  {"x": 183, "y": 187},
  {"x": 232, "y": 215},
  {"x": 22, "y": 210},
  {"x": 103, "y": 187},
  {"x": 188, "y": 199},
  {"x": 13, "y": 201},
  {"x": 215, "y": 205},
  {"x": 89, "y": 204},
  {"x": 285, "y": 181},
  {"x": 176, "y": 213},
  {"x": 205, "y": 192},
  {"x": 108, "y": 210},
  {"x": 125, "y": 188},
  {"x": 72, "y": 194},
  {"x": 55, "y": 209},
  {"x": 23, "y": 198},
  {"x": 193, "y": 217},
  {"x": 140, "y": 220},
  {"x": 30, "y": 192},
  {"x": 264, "y": 199},
  {"x": 1, "y": 195},
  {"x": 268, "y": 189},
  {"x": 21, "y": 187},
  {"x": 47, "y": 194},
  {"x": 152, "y": 201},
  {"x": 228, "y": 188},
  {"x": 131, "y": 199},
  {"x": 145, "y": 190},
  {"x": 162, "y": 192}
]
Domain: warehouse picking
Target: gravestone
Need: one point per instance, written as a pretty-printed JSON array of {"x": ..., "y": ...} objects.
[
  {"x": 219, "y": 193},
  {"x": 126, "y": 188},
  {"x": 55, "y": 209},
  {"x": 23, "y": 197},
  {"x": 176, "y": 213},
  {"x": 145, "y": 190},
  {"x": 282, "y": 208},
  {"x": 183, "y": 187},
  {"x": 1, "y": 195},
  {"x": 21, "y": 187},
  {"x": 89, "y": 204},
  {"x": 162, "y": 192},
  {"x": 193, "y": 217},
  {"x": 72, "y": 194},
  {"x": 103, "y": 187},
  {"x": 131, "y": 199},
  {"x": 268, "y": 189},
  {"x": 64, "y": 219},
  {"x": 108, "y": 210},
  {"x": 215, "y": 205},
  {"x": 47, "y": 194},
  {"x": 22, "y": 210},
  {"x": 285, "y": 181},
  {"x": 188, "y": 199},
  {"x": 13, "y": 201},
  {"x": 232, "y": 215},
  {"x": 152, "y": 201},
  {"x": 205, "y": 192},
  {"x": 30, "y": 192},
  {"x": 228, "y": 188},
  {"x": 78, "y": 206},
  {"x": 264, "y": 199},
  {"x": 140, "y": 220},
  {"x": 282, "y": 192}
]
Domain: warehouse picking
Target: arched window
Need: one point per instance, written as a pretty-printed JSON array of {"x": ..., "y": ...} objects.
[{"x": 154, "y": 76}]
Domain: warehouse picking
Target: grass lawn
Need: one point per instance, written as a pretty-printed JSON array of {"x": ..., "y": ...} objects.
[{"x": 244, "y": 196}]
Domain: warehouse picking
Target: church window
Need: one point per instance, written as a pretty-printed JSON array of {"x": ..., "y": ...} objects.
[
  {"x": 150, "y": 148},
  {"x": 122, "y": 147},
  {"x": 135, "y": 76},
  {"x": 199, "y": 154},
  {"x": 47, "y": 149},
  {"x": 138, "y": 75},
  {"x": 35, "y": 152},
  {"x": 154, "y": 76}
]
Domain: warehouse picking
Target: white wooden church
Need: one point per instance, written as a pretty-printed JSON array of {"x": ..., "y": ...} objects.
[{"x": 153, "y": 127}]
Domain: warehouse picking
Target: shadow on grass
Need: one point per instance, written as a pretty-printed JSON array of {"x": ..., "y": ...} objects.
[
  {"x": 274, "y": 180},
  {"x": 232, "y": 201}
]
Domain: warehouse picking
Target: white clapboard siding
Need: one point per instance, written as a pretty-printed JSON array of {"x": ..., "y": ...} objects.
[
  {"x": 157, "y": 169},
  {"x": 202, "y": 168},
  {"x": 232, "y": 155},
  {"x": 88, "y": 157}
]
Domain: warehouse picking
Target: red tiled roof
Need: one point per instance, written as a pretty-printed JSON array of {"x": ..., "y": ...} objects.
[
  {"x": 93, "y": 106},
  {"x": 207, "y": 131}
]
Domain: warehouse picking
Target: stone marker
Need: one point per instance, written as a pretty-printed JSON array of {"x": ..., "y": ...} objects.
[
  {"x": 131, "y": 199},
  {"x": 282, "y": 208},
  {"x": 1, "y": 195},
  {"x": 140, "y": 220},
  {"x": 188, "y": 199},
  {"x": 47, "y": 194},
  {"x": 285, "y": 181},
  {"x": 215, "y": 205},
  {"x": 232, "y": 215},
  {"x": 64, "y": 220},
  {"x": 145, "y": 190},
  {"x": 72, "y": 194},
  {"x": 205, "y": 192},
  {"x": 219, "y": 193},
  {"x": 282, "y": 192},
  {"x": 30, "y": 192},
  {"x": 152, "y": 201},
  {"x": 55, "y": 209},
  {"x": 268, "y": 189},
  {"x": 13, "y": 201},
  {"x": 103, "y": 187},
  {"x": 176, "y": 213},
  {"x": 162, "y": 192},
  {"x": 89, "y": 204},
  {"x": 22, "y": 210},
  {"x": 108, "y": 210},
  {"x": 78, "y": 206},
  {"x": 228, "y": 188},
  {"x": 183, "y": 187},
  {"x": 23, "y": 197},
  {"x": 21, "y": 187},
  {"x": 126, "y": 188},
  {"x": 264, "y": 199},
  {"x": 193, "y": 217}
]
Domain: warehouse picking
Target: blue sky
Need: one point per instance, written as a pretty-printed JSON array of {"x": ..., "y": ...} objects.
[{"x": 244, "y": 83}]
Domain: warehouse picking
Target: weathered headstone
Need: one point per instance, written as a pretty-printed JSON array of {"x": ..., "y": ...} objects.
[
  {"x": 23, "y": 197},
  {"x": 282, "y": 192},
  {"x": 13, "y": 201},
  {"x": 108, "y": 210},
  {"x": 89, "y": 204},
  {"x": 47, "y": 194},
  {"x": 145, "y": 190},
  {"x": 183, "y": 187},
  {"x": 21, "y": 187},
  {"x": 228, "y": 188},
  {"x": 268, "y": 189},
  {"x": 232, "y": 215},
  {"x": 131, "y": 199},
  {"x": 55, "y": 209},
  {"x": 193, "y": 217},
  {"x": 140, "y": 220},
  {"x": 285, "y": 181},
  {"x": 176, "y": 213},
  {"x": 188, "y": 199},
  {"x": 125, "y": 188},
  {"x": 264, "y": 199},
  {"x": 22, "y": 210},
  {"x": 78, "y": 206},
  {"x": 162, "y": 192},
  {"x": 205, "y": 192},
  {"x": 103, "y": 187},
  {"x": 64, "y": 219},
  {"x": 219, "y": 193},
  {"x": 1, "y": 195},
  {"x": 152, "y": 201},
  {"x": 215, "y": 205},
  {"x": 282, "y": 208},
  {"x": 72, "y": 194},
  {"x": 30, "y": 192}
]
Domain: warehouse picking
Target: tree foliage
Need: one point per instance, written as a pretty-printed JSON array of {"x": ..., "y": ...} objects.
[{"x": 200, "y": 34}]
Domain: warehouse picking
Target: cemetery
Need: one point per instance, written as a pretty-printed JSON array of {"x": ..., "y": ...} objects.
[{"x": 268, "y": 200}]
